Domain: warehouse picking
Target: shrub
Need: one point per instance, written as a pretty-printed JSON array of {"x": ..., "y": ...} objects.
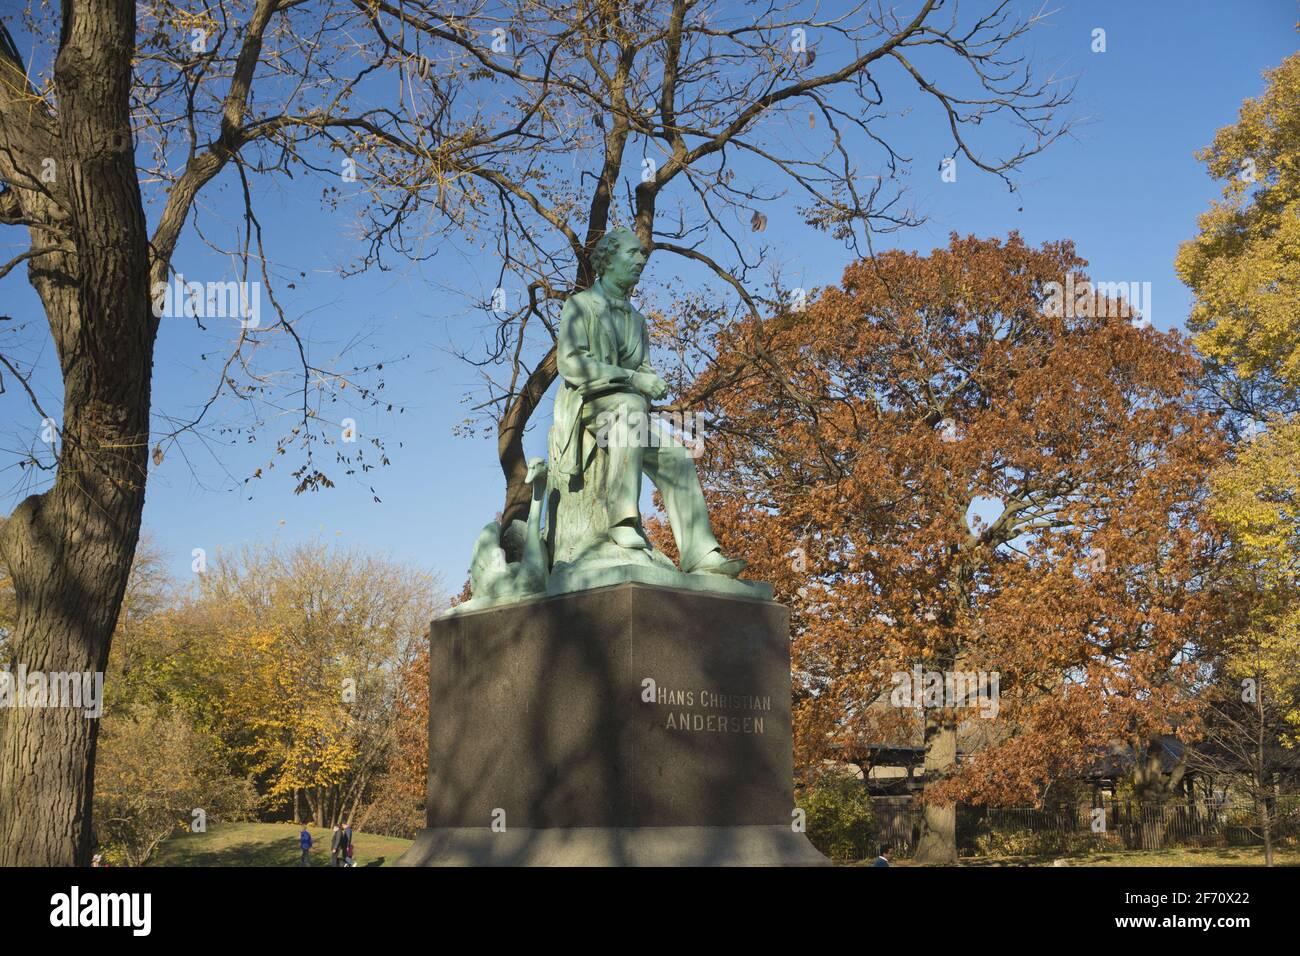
[
  {"x": 840, "y": 821},
  {"x": 154, "y": 771}
]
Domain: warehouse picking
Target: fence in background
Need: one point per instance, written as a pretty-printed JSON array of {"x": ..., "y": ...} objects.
[{"x": 1125, "y": 825}]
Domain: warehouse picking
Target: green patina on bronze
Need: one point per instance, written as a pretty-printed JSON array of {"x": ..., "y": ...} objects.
[{"x": 598, "y": 451}]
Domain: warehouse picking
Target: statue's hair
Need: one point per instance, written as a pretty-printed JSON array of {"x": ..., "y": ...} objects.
[{"x": 606, "y": 245}]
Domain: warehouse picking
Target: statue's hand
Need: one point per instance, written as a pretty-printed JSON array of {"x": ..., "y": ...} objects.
[{"x": 649, "y": 384}]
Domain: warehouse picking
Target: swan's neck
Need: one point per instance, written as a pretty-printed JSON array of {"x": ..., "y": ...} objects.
[{"x": 535, "y": 507}]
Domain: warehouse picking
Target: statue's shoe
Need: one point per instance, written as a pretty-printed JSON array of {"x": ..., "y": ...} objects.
[
  {"x": 625, "y": 536},
  {"x": 715, "y": 563}
]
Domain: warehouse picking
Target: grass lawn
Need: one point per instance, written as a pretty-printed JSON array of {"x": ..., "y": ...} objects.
[
  {"x": 276, "y": 844},
  {"x": 1176, "y": 856},
  {"x": 268, "y": 844}
]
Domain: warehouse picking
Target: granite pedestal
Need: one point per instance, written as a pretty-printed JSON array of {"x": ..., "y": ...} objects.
[{"x": 624, "y": 725}]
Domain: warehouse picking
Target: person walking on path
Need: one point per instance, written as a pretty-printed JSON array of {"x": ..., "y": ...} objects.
[
  {"x": 304, "y": 839},
  {"x": 336, "y": 840},
  {"x": 345, "y": 842}
]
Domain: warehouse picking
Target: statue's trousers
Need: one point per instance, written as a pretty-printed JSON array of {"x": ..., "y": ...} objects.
[{"x": 635, "y": 445}]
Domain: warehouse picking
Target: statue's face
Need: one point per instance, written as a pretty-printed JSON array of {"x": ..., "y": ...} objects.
[{"x": 623, "y": 268}]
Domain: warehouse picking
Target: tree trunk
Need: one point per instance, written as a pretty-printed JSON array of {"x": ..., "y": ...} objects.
[
  {"x": 70, "y": 548},
  {"x": 938, "y": 840},
  {"x": 1263, "y": 809},
  {"x": 1263, "y": 817},
  {"x": 520, "y": 408},
  {"x": 352, "y": 813},
  {"x": 510, "y": 440}
]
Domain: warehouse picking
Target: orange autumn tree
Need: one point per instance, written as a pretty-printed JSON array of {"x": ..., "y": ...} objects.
[
  {"x": 399, "y": 806},
  {"x": 845, "y": 468}
]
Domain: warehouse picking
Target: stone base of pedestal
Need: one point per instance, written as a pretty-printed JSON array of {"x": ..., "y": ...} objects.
[
  {"x": 630, "y": 724},
  {"x": 776, "y": 845}
]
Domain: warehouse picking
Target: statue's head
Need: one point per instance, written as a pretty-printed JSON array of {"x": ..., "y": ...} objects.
[{"x": 619, "y": 258}]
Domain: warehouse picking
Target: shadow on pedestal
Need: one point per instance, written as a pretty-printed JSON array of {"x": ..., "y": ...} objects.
[{"x": 625, "y": 725}]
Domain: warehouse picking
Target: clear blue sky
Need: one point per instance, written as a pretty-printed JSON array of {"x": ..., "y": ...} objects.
[{"x": 1125, "y": 187}]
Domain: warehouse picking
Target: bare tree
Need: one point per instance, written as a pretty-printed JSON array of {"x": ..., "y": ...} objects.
[
  {"x": 532, "y": 126},
  {"x": 508, "y": 123},
  {"x": 162, "y": 96},
  {"x": 1242, "y": 746}
]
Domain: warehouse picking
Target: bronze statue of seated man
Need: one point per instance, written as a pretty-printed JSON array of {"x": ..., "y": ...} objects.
[{"x": 606, "y": 387}]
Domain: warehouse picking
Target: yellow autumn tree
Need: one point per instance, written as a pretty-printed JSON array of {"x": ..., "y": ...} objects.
[
  {"x": 1243, "y": 268},
  {"x": 309, "y": 642},
  {"x": 1244, "y": 264},
  {"x": 1256, "y": 499}
]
